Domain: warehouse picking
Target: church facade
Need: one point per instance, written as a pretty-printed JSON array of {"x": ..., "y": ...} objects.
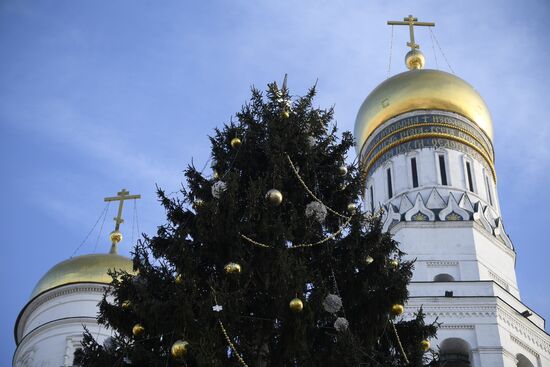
[{"x": 425, "y": 144}]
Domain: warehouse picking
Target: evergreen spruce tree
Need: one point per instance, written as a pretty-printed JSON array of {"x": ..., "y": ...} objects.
[{"x": 269, "y": 262}]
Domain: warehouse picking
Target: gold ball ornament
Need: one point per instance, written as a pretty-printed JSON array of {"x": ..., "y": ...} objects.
[
  {"x": 235, "y": 143},
  {"x": 274, "y": 197},
  {"x": 179, "y": 279},
  {"x": 397, "y": 309},
  {"x": 179, "y": 349},
  {"x": 343, "y": 170},
  {"x": 393, "y": 264},
  {"x": 369, "y": 260},
  {"x": 414, "y": 59},
  {"x": 352, "y": 208},
  {"x": 424, "y": 345},
  {"x": 138, "y": 330},
  {"x": 115, "y": 237},
  {"x": 296, "y": 305},
  {"x": 198, "y": 203},
  {"x": 285, "y": 114},
  {"x": 126, "y": 305},
  {"x": 215, "y": 174},
  {"x": 232, "y": 268}
]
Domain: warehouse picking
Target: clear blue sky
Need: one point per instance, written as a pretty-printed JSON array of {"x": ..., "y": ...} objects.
[{"x": 100, "y": 95}]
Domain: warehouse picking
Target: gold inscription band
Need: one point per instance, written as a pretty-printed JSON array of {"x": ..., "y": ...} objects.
[
  {"x": 427, "y": 136},
  {"x": 429, "y": 124}
]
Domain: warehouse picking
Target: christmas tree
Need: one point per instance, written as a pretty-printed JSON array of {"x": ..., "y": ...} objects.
[{"x": 271, "y": 261}]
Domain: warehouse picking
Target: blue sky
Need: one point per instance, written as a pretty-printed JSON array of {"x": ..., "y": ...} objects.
[{"x": 96, "y": 96}]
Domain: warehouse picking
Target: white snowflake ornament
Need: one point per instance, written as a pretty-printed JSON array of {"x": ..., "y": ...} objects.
[
  {"x": 218, "y": 188},
  {"x": 341, "y": 324},
  {"x": 332, "y": 303},
  {"x": 317, "y": 211}
]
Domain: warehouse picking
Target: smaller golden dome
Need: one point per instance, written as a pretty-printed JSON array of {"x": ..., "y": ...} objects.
[{"x": 91, "y": 268}]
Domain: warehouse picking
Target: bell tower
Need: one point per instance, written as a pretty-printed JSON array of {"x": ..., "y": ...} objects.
[{"x": 425, "y": 141}]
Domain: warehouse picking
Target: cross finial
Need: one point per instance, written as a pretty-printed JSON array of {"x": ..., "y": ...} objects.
[
  {"x": 115, "y": 235},
  {"x": 411, "y": 22}
]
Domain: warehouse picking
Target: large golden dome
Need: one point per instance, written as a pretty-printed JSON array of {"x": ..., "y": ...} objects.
[
  {"x": 83, "y": 269},
  {"x": 420, "y": 89}
]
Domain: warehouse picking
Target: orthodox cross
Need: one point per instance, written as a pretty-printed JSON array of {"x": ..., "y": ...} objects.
[
  {"x": 121, "y": 196},
  {"x": 411, "y": 22}
]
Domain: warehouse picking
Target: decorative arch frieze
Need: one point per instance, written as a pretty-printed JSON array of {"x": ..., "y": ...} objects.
[
  {"x": 501, "y": 234},
  {"x": 444, "y": 208},
  {"x": 435, "y": 201},
  {"x": 419, "y": 212},
  {"x": 453, "y": 212},
  {"x": 404, "y": 204},
  {"x": 392, "y": 217},
  {"x": 490, "y": 215},
  {"x": 465, "y": 203},
  {"x": 479, "y": 216}
]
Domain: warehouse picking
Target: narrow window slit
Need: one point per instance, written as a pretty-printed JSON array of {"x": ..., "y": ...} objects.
[
  {"x": 442, "y": 170},
  {"x": 469, "y": 174},
  {"x": 414, "y": 172},
  {"x": 390, "y": 190}
]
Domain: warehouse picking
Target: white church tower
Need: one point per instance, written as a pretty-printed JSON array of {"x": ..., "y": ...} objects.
[
  {"x": 425, "y": 144},
  {"x": 49, "y": 328}
]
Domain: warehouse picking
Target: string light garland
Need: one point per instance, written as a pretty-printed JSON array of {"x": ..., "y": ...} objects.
[
  {"x": 324, "y": 240},
  {"x": 218, "y": 308},
  {"x": 309, "y": 191},
  {"x": 231, "y": 345},
  {"x": 255, "y": 242},
  {"x": 302, "y": 245},
  {"x": 399, "y": 342}
]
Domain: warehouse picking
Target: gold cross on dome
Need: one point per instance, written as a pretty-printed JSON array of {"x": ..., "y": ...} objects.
[
  {"x": 121, "y": 196},
  {"x": 411, "y": 22}
]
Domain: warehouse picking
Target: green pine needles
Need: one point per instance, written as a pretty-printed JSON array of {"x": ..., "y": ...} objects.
[{"x": 220, "y": 275}]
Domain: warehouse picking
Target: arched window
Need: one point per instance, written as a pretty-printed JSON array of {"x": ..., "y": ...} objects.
[
  {"x": 454, "y": 352},
  {"x": 523, "y": 361},
  {"x": 444, "y": 278}
]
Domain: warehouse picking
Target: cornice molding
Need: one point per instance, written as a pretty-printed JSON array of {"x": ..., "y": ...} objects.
[
  {"x": 441, "y": 263},
  {"x": 524, "y": 346},
  {"x": 522, "y": 327},
  {"x": 52, "y": 294},
  {"x": 457, "y": 326}
]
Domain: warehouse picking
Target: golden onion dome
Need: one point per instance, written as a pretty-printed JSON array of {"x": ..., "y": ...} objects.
[
  {"x": 91, "y": 268},
  {"x": 420, "y": 89}
]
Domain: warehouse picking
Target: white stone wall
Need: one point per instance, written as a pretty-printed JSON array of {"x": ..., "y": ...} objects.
[
  {"x": 50, "y": 327},
  {"x": 494, "y": 334},
  {"x": 461, "y": 249},
  {"x": 429, "y": 177},
  {"x": 481, "y": 314}
]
